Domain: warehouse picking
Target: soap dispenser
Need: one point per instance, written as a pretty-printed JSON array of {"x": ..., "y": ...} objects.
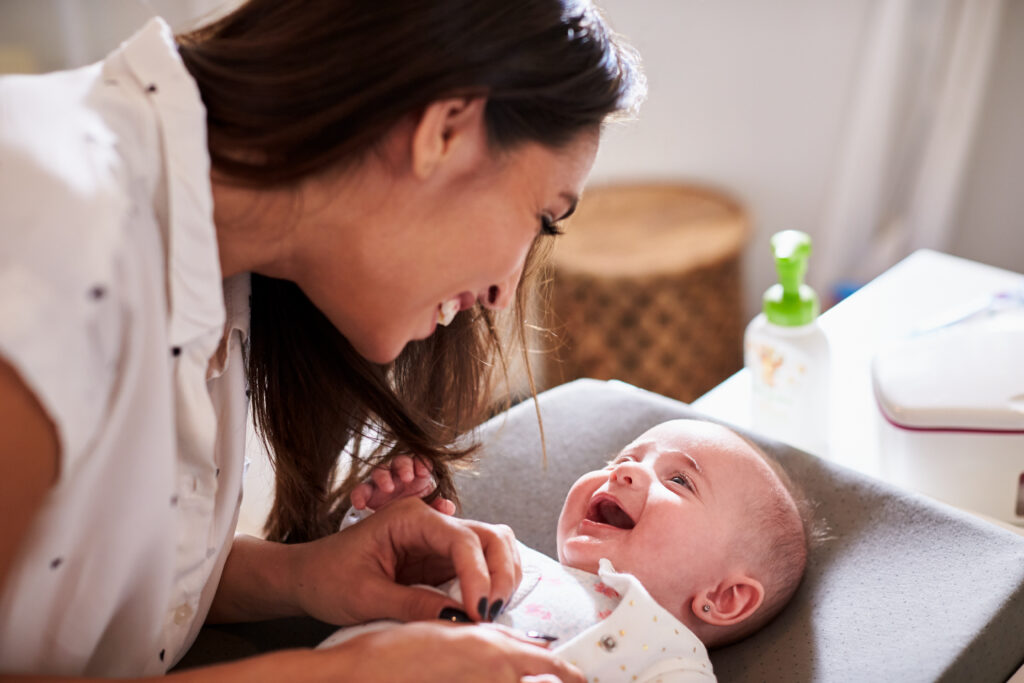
[{"x": 787, "y": 354}]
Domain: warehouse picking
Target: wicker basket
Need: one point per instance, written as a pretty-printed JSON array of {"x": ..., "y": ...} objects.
[{"x": 646, "y": 289}]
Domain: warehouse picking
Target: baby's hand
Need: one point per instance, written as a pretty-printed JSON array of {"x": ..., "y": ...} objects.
[{"x": 405, "y": 476}]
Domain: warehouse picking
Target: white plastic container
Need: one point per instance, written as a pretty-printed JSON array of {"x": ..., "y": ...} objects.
[
  {"x": 787, "y": 354},
  {"x": 952, "y": 407}
]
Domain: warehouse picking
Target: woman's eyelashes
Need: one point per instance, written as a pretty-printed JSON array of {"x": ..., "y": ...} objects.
[{"x": 549, "y": 226}]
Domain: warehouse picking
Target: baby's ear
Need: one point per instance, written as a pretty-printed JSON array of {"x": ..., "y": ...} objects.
[{"x": 730, "y": 602}]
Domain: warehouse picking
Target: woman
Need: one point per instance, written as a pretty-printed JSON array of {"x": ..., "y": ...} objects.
[{"x": 282, "y": 205}]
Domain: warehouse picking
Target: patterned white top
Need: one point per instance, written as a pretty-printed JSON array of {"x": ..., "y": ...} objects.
[{"x": 113, "y": 312}]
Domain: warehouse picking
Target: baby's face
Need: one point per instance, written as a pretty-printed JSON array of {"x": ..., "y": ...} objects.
[{"x": 666, "y": 510}]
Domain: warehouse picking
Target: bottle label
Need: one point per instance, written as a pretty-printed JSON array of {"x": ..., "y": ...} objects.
[
  {"x": 788, "y": 391},
  {"x": 780, "y": 372}
]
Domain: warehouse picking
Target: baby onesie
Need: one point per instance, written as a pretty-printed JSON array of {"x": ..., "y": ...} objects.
[{"x": 606, "y": 623}]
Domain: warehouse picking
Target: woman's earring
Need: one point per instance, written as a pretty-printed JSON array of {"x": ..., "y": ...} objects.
[{"x": 707, "y": 607}]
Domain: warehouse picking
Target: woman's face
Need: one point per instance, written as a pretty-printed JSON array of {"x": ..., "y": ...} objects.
[{"x": 459, "y": 235}]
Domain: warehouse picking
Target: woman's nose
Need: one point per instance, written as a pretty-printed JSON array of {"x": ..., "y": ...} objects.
[{"x": 499, "y": 296}]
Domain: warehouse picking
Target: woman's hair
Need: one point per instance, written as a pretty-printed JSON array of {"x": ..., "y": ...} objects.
[{"x": 299, "y": 88}]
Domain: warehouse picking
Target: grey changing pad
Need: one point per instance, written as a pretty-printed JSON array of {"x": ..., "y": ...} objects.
[{"x": 908, "y": 590}]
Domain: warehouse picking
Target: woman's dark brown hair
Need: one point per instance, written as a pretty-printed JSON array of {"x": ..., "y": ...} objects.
[{"x": 308, "y": 86}]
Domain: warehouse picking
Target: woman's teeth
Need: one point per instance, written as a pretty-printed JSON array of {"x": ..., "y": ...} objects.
[{"x": 446, "y": 311}]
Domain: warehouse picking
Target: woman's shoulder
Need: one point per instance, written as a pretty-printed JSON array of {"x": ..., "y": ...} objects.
[
  {"x": 65, "y": 194},
  {"x": 80, "y": 252},
  {"x": 60, "y": 156}
]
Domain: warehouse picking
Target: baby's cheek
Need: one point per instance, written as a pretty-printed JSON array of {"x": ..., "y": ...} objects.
[
  {"x": 560, "y": 537},
  {"x": 574, "y": 507}
]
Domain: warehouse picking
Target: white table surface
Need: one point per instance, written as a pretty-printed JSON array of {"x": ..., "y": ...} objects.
[{"x": 924, "y": 287}]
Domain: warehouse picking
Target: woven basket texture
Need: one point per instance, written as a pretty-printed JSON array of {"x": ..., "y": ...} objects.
[{"x": 647, "y": 289}]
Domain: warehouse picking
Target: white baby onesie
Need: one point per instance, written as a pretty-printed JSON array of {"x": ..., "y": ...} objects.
[{"x": 606, "y": 624}]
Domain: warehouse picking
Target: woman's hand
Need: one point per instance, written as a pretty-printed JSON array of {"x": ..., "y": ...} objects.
[
  {"x": 363, "y": 573},
  {"x": 404, "y": 477},
  {"x": 444, "y": 652}
]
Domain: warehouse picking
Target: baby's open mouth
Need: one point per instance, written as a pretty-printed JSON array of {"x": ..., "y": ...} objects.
[{"x": 607, "y": 511}]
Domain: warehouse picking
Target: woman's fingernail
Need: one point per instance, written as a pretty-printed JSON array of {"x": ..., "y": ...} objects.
[
  {"x": 454, "y": 615},
  {"x": 541, "y": 636},
  {"x": 495, "y": 610},
  {"x": 481, "y": 607}
]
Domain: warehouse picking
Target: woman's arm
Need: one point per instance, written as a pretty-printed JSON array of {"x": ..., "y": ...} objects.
[
  {"x": 28, "y": 462},
  {"x": 420, "y": 653},
  {"x": 290, "y": 665},
  {"x": 259, "y": 575},
  {"x": 363, "y": 573},
  {"x": 257, "y": 583}
]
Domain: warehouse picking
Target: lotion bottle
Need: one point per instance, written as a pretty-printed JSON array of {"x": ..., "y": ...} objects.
[{"x": 787, "y": 353}]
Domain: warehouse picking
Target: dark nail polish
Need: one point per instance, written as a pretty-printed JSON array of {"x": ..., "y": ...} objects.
[
  {"x": 495, "y": 610},
  {"x": 481, "y": 607},
  {"x": 454, "y": 615},
  {"x": 541, "y": 636}
]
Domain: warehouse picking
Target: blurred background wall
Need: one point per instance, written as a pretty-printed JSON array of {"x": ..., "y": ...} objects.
[
  {"x": 812, "y": 114},
  {"x": 878, "y": 126}
]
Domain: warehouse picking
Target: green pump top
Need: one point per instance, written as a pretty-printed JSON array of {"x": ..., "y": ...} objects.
[{"x": 791, "y": 303}]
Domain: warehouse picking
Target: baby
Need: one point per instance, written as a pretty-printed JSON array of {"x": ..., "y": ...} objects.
[{"x": 690, "y": 538}]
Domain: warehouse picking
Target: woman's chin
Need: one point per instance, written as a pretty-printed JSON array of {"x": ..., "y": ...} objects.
[{"x": 378, "y": 351}]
